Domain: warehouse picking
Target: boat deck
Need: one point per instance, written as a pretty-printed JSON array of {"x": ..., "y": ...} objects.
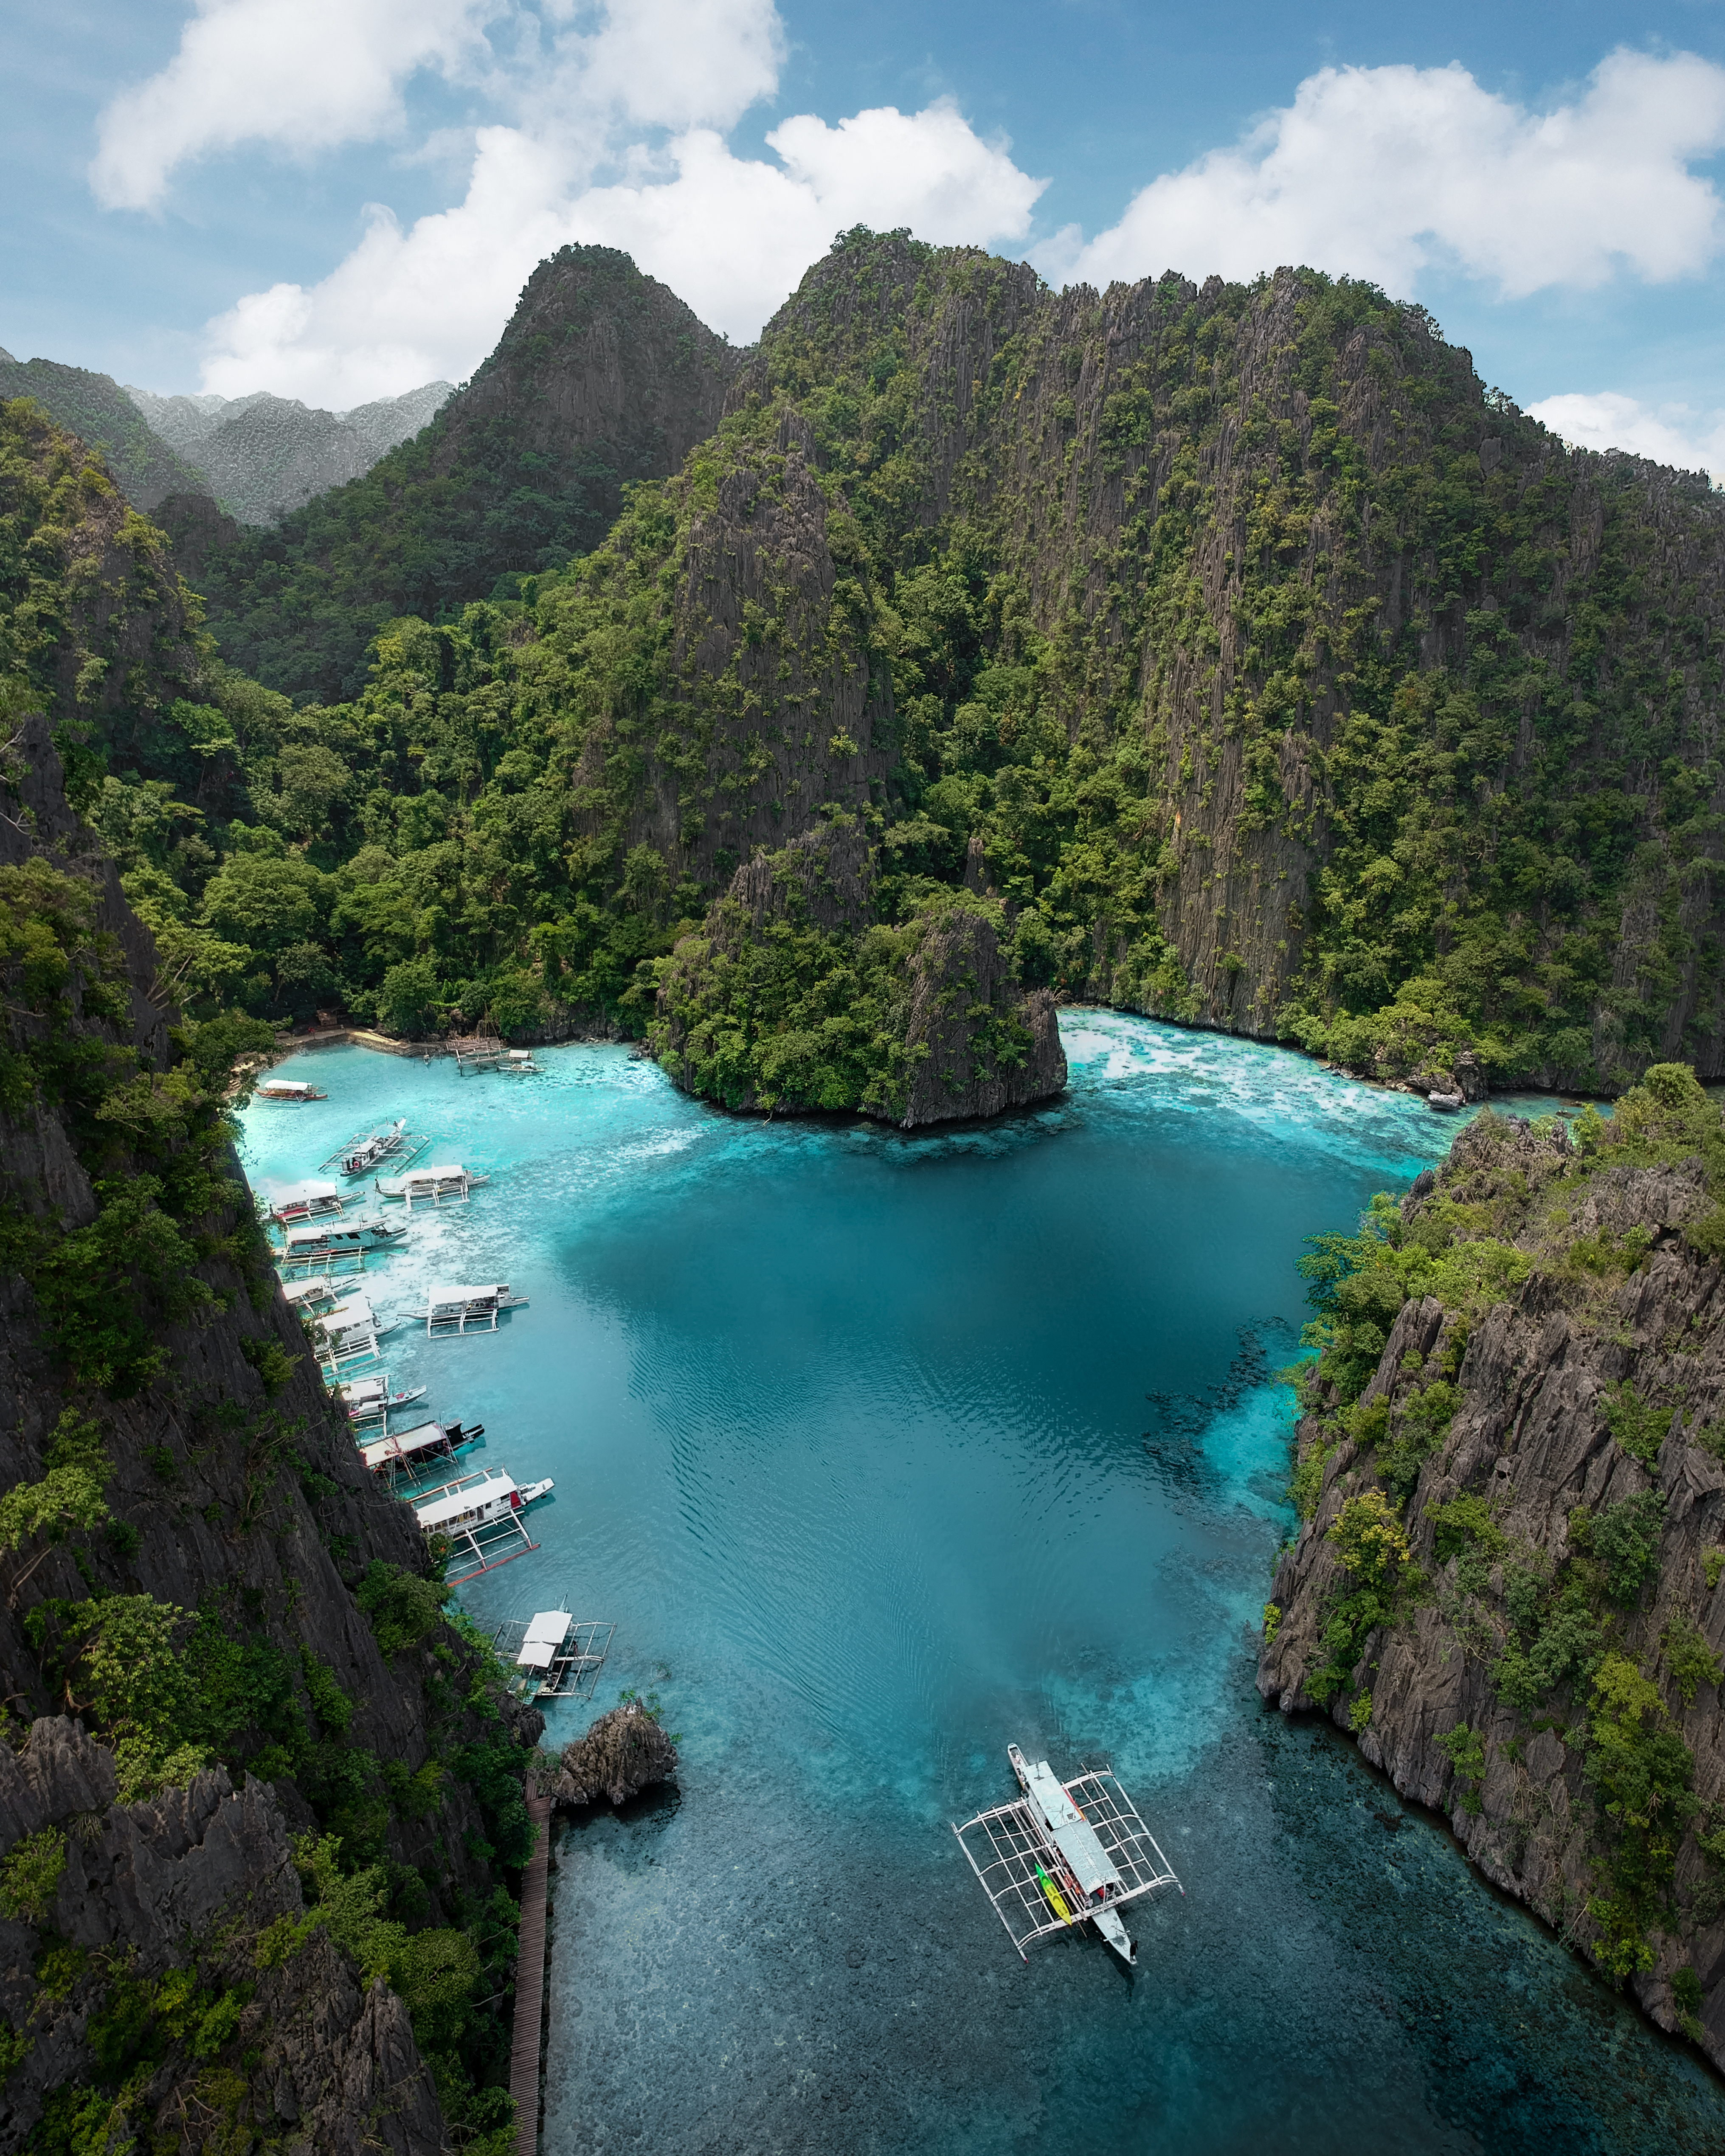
[{"x": 1024, "y": 1873}]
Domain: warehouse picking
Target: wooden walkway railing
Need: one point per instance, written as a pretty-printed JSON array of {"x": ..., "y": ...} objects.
[{"x": 530, "y": 1985}]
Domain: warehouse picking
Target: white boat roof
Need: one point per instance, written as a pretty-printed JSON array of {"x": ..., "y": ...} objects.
[
  {"x": 481, "y": 1490},
  {"x": 285, "y": 1086},
  {"x": 306, "y": 1193},
  {"x": 547, "y": 1633},
  {"x": 424, "y": 1437},
  {"x": 437, "y": 1296},
  {"x": 356, "y": 1311},
  {"x": 312, "y": 1232},
  {"x": 307, "y": 1291},
  {"x": 1074, "y": 1836},
  {"x": 359, "y": 1389}
]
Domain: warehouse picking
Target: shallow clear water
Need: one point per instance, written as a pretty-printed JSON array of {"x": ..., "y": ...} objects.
[{"x": 884, "y": 1452}]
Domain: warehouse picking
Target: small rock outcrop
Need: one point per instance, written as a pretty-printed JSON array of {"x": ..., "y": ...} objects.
[{"x": 624, "y": 1752}]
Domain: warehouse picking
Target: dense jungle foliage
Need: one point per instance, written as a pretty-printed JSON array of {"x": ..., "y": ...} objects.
[
  {"x": 1137, "y": 714},
  {"x": 173, "y": 1690},
  {"x": 1554, "y": 1633}
]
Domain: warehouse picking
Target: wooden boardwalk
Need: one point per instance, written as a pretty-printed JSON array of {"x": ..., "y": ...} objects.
[{"x": 530, "y": 1985}]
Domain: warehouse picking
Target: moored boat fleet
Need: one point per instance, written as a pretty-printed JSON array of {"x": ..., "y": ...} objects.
[{"x": 326, "y": 1240}]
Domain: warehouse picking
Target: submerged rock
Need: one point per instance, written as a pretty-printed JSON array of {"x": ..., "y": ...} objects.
[{"x": 624, "y": 1752}]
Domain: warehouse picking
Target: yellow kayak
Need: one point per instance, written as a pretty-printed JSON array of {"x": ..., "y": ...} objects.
[{"x": 1053, "y": 1892}]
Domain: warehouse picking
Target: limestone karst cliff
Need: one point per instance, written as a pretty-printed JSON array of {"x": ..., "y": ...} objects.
[
  {"x": 1508, "y": 1578},
  {"x": 268, "y": 1897}
]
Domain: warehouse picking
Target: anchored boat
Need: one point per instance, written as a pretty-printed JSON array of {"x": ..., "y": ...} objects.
[
  {"x": 287, "y": 1089},
  {"x": 403, "y": 1454},
  {"x": 480, "y": 1517},
  {"x": 1065, "y": 1853},
  {"x": 558, "y": 1655},
  {"x": 370, "y": 1149},
  {"x": 452, "y": 1180},
  {"x": 471, "y": 1309},
  {"x": 311, "y": 1200}
]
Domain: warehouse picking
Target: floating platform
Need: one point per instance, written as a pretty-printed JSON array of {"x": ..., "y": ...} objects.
[
  {"x": 480, "y": 1518},
  {"x": 437, "y": 1185},
  {"x": 556, "y": 1655},
  {"x": 1064, "y": 1854},
  {"x": 476, "y": 1052}
]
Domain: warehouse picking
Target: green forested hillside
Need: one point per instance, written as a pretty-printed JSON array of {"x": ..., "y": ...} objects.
[
  {"x": 1243, "y": 660},
  {"x": 603, "y": 378}
]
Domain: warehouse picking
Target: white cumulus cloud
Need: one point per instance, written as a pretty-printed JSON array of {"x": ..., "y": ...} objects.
[
  {"x": 611, "y": 120},
  {"x": 1668, "y": 433},
  {"x": 1379, "y": 172},
  {"x": 301, "y": 74},
  {"x": 729, "y": 235}
]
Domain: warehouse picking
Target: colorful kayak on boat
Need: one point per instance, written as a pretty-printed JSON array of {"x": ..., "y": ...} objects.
[{"x": 1056, "y": 1900}]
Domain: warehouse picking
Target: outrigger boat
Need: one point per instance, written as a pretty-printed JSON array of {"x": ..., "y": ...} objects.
[
  {"x": 480, "y": 1517},
  {"x": 473, "y": 1309},
  {"x": 373, "y": 1396},
  {"x": 312, "y": 1200},
  {"x": 287, "y": 1089},
  {"x": 558, "y": 1656},
  {"x": 370, "y": 1149},
  {"x": 519, "y": 1064},
  {"x": 415, "y": 1452},
  {"x": 435, "y": 1184},
  {"x": 312, "y": 1241},
  {"x": 1065, "y": 1853}
]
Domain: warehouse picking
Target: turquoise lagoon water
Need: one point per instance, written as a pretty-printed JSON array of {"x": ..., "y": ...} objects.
[{"x": 883, "y": 1452}]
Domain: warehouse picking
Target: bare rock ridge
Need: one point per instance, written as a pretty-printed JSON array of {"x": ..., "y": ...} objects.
[
  {"x": 263, "y": 455},
  {"x": 1540, "y": 1659},
  {"x": 334, "y": 2064}
]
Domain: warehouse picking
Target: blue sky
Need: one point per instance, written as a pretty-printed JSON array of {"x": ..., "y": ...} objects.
[{"x": 337, "y": 198}]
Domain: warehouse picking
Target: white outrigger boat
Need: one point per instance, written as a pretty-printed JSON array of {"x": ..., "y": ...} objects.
[
  {"x": 348, "y": 1334},
  {"x": 287, "y": 1089},
  {"x": 311, "y": 1200},
  {"x": 318, "y": 1245},
  {"x": 1065, "y": 1853},
  {"x": 480, "y": 1517},
  {"x": 370, "y": 1401},
  {"x": 370, "y": 1149},
  {"x": 558, "y": 1655},
  {"x": 467, "y": 1309},
  {"x": 435, "y": 1184}
]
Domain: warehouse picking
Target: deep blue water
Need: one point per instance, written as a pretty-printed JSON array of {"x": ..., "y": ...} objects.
[{"x": 883, "y": 1452}]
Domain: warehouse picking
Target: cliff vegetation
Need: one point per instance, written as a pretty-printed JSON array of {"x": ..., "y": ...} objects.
[{"x": 1511, "y": 1482}]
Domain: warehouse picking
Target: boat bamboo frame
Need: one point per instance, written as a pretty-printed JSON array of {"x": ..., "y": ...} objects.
[{"x": 1017, "y": 1862}]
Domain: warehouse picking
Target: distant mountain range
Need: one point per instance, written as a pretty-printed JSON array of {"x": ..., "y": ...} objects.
[
  {"x": 258, "y": 457},
  {"x": 263, "y": 456}
]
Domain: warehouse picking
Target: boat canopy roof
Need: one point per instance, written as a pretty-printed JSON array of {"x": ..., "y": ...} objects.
[
  {"x": 314, "y": 1233},
  {"x": 295, "y": 1086},
  {"x": 356, "y": 1311},
  {"x": 458, "y": 1296},
  {"x": 465, "y": 1496},
  {"x": 306, "y": 1193},
  {"x": 547, "y": 1633},
  {"x": 424, "y": 1437}
]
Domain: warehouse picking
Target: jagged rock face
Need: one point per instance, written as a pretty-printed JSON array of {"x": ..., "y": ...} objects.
[
  {"x": 1531, "y": 1438},
  {"x": 624, "y": 1752},
  {"x": 251, "y": 1508},
  {"x": 599, "y": 365},
  {"x": 1089, "y": 430},
  {"x": 128, "y": 643},
  {"x": 979, "y": 1042},
  {"x": 328, "y": 2061}
]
